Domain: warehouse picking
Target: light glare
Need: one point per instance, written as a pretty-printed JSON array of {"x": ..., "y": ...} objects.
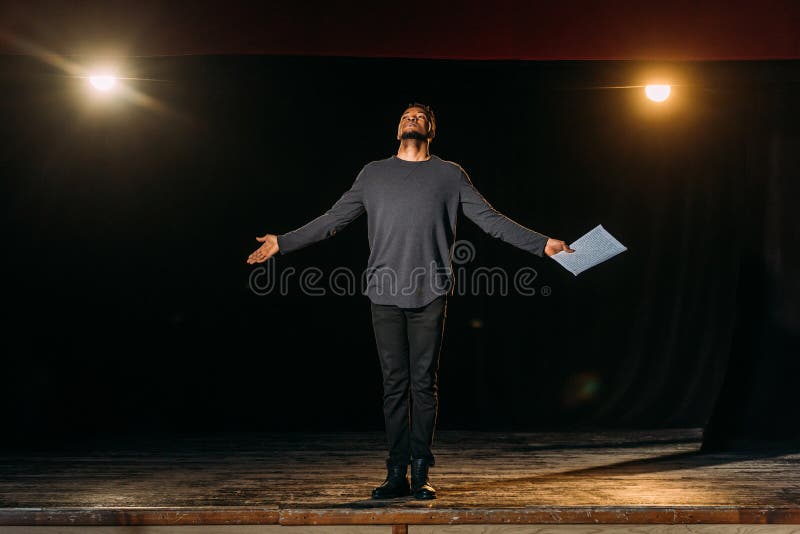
[
  {"x": 657, "y": 93},
  {"x": 102, "y": 82}
]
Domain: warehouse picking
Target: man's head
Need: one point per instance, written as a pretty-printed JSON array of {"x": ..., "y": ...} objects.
[{"x": 417, "y": 122}]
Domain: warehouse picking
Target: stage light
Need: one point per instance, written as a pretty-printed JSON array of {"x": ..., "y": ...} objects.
[
  {"x": 657, "y": 93},
  {"x": 103, "y": 82}
]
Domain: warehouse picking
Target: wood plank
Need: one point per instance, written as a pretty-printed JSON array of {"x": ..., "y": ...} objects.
[
  {"x": 419, "y": 529},
  {"x": 229, "y": 515},
  {"x": 400, "y": 516},
  {"x": 623, "y": 477},
  {"x": 547, "y": 515}
]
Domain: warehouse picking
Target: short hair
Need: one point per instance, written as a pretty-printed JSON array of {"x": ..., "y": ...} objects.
[{"x": 429, "y": 113}]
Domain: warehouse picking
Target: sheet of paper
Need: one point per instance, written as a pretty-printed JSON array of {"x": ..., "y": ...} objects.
[{"x": 596, "y": 246}]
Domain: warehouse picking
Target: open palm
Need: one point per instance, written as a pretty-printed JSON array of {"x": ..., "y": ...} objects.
[{"x": 268, "y": 248}]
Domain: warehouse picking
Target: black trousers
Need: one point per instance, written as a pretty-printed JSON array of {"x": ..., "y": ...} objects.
[{"x": 409, "y": 342}]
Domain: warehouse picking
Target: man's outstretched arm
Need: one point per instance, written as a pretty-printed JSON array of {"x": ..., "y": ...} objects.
[
  {"x": 494, "y": 223},
  {"x": 344, "y": 211}
]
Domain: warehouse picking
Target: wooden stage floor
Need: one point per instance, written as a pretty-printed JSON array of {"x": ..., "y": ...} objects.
[{"x": 631, "y": 477}]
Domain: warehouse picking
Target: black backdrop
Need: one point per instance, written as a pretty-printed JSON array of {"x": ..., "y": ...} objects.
[{"x": 128, "y": 307}]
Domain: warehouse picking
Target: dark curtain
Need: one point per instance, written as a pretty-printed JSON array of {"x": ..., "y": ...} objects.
[
  {"x": 129, "y": 308},
  {"x": 758, "y": 403}
]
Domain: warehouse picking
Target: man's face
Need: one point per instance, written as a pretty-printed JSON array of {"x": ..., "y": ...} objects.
[{"x": 413, "y": 124}]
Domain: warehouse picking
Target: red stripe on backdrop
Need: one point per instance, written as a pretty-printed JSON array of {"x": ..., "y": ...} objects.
[{"x": 502, "y": 29}]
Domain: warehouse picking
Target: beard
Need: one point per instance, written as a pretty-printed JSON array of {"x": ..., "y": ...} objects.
[{"x": 414, "y": 135}]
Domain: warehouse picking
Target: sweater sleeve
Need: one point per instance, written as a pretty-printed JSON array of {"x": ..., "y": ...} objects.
[
  {"x": 342, "y": 213},
  {"x": 494, "y": 223}
]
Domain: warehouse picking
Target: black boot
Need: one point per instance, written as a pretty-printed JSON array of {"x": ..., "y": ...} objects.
[
  {"x": 396, "y": 483},
  {"x": 420, "y": 485}
]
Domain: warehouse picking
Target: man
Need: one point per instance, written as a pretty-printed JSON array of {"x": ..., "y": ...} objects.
[{"x": 411, "y": 200}]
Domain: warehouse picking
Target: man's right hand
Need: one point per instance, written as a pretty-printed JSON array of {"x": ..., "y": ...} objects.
[{"x": 266, "y": 250}]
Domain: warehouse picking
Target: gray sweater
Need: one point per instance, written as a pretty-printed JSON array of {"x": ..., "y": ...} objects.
[{"x": 412, "y": 209}]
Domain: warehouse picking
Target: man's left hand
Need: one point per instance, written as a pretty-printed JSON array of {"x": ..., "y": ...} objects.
[{"x": 556, "y": 245}]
